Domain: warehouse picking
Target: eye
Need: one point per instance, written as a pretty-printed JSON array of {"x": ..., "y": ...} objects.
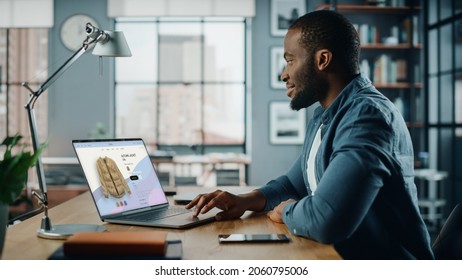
[{"x": 289, "y": 61}]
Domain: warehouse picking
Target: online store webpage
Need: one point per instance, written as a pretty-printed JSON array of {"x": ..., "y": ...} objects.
[{"x": 120, "y": 175}]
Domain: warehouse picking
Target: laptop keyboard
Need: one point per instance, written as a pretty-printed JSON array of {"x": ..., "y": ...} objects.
[{"x": 161, "y": 213}]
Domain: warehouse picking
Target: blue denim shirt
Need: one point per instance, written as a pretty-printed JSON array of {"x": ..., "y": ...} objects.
[{"x": 366, "y": 201}]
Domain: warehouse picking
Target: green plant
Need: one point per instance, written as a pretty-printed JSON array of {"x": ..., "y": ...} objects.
[{"x": 14, "y": 168}]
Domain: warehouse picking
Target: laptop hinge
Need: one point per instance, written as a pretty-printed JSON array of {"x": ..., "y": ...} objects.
[{"x": 137, "y": 211}]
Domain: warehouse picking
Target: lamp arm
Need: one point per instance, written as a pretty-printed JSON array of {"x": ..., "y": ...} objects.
[
  {"x": 59, "y": 72},
  {"x": 33, "y": 96},
  {"x": 47, "y": 230}
]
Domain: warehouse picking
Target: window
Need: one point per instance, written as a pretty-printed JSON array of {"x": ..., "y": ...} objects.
[
  {"x": 23, "y": 58},
  {"x": 185, "y": 84},
  {"x": 444, "y": 92}
]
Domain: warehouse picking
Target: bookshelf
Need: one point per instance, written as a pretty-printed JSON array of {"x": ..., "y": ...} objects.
[
  {"x": 391, "y": 49},
  {"x": 367, "y": 9},
  {"x": 385, "y": 47}
]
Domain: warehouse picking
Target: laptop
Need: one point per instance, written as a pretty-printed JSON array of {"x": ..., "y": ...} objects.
[{"x": 125, "y": 188}]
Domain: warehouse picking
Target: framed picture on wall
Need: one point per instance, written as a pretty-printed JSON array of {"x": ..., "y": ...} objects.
[
  {"x": 286, "y": 125},
  {"x": 277, "y": 66},
  {"x": 283, "y": 13}
]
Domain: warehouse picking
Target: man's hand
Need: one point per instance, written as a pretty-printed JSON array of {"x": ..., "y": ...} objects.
[
  {"x": 275, "y": 215},
  {"x": 233, "y": 206},
  {"x": 229, "y": 203}
]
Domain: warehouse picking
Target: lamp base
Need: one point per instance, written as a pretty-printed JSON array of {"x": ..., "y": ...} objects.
[{"x": 65, "y": 231}]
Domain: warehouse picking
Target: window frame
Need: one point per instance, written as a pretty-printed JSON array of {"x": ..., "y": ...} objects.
[{"x": 201, "y": 147}]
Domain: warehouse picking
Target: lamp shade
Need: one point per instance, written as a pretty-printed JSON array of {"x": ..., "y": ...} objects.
[{"x": 115, "y": 45}]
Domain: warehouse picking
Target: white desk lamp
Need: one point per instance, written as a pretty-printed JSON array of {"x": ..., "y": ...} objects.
[{"x": 107, "y": 43}]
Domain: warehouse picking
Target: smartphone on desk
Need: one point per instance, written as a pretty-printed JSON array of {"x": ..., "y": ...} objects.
[{"x": 252, "y": 238}]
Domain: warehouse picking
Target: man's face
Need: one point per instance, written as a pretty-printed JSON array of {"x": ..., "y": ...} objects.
[{"x": 305, "y": 85}]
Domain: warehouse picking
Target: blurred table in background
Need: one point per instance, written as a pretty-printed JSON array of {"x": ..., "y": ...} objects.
[
  {"x": 212, "y": 169},
  {"x": 431, "y": 196}
]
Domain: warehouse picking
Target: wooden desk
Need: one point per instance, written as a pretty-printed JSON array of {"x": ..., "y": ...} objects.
[{"x": 198, "y": 243}]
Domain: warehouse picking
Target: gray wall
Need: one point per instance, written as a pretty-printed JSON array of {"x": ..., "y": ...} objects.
[
  {"x": 268, "y": 161},
  {"x": 81, "y": 97}
]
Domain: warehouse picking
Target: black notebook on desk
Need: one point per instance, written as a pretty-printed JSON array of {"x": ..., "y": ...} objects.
[{"x": 174, "y": 252}]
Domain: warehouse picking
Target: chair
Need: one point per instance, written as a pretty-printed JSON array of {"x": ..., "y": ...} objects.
[
  {"x": 227, "y": 177},
  {"x": 164, "y": 178},
  {"x": 448, "y": 243},
  {"x": 183, "y": 181}
]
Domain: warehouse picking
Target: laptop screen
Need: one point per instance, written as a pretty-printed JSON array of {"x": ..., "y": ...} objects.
[{"x": 120, "y": 174}]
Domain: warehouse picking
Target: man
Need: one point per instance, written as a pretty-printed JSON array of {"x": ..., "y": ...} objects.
[{"x": 353, "y": 185}]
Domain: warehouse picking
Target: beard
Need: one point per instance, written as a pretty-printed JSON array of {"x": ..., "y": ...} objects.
[{"x": 314, "y": 88}]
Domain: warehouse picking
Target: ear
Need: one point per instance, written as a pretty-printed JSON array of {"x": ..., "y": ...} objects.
[{"x": 323, "y": 59}]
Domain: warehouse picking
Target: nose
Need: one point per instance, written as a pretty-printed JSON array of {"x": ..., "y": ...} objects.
[{"x": 284, "y": 75}]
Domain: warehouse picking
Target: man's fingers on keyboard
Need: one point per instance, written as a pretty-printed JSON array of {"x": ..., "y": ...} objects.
[
  {"x": 201, "y": 202},
  {"x": 193, "y": 202}
]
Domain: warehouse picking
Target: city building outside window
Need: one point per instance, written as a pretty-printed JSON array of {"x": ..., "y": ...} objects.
[
  {"x": 184, "y": 86},
  {"x": 23, "y": 58}
]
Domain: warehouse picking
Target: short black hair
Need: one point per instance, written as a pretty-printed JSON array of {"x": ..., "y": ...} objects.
[{"x": 333, "y": 31}]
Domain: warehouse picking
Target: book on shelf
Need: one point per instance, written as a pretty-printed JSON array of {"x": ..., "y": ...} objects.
[
  {"x": 401, "y": 70},
  {"x": 378, "y": 3},
  {"x": 387, "y": 70},
  {"x": 386, "y": 3},
  {"x": 397, "y": 34},
  {"x": 368, "y": 34},
  {"x": 406, "y": 27},
  {"x": 417, "y": 74},
  {"x": 382, "y": 69},
  {"x": 396, "y": 3},
  {"x": 416, "y": 34},
  {"x": 365, "y": 68},
  {"x": 402, "y": 106}
]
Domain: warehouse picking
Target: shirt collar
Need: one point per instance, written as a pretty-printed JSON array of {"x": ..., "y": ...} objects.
[{"x": 358, "y": 83}]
